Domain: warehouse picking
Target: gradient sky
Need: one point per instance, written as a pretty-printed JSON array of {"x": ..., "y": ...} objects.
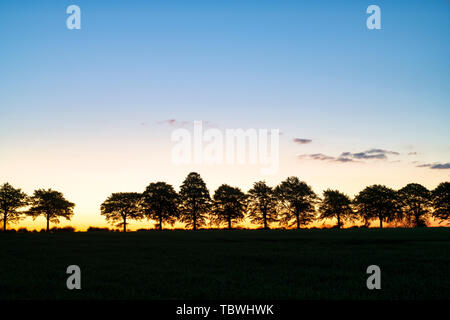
[{"x": 85, "y": 111}]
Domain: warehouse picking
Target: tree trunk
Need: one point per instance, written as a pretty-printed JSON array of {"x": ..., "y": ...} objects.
[
  {"x": 265, "y": 220},
  {"x": 48, "y": 223},
  {"x": 381, "y": 222},
  {"x": 417, "y": 217},
  {"x": 4, "y": 221},
  {"x": 339, "y": 221},
  {"x": 298, "y": 222},
  {"x": 194, "y": 225},
  {"x": 124, "y": 224}
]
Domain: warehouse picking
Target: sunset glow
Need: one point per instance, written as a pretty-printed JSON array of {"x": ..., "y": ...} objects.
[{"x": 90, "y": 112}]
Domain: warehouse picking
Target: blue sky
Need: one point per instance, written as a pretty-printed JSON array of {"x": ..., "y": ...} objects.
[
  {"x": 310, "y": 68},
  {"x": 312, "y": 60}
]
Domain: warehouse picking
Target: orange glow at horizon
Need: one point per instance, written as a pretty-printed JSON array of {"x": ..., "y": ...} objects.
[{"x": 88, "y": 179}]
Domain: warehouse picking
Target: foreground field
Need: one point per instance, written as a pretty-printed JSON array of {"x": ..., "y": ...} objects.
[{"x": 305, "y": 264}]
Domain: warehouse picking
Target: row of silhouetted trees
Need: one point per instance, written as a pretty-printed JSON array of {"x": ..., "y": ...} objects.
[
  {"x": 292, "y": 203},
  {"x": 48, "y": 203}
]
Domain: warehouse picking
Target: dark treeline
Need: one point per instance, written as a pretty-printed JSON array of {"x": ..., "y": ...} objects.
[
  {"x": 49, "y": 203},
  {"x": 292, "y": 203}
]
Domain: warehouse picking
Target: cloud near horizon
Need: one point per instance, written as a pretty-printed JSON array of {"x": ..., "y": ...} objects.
[
  {"x": 380, "y": 154},
  {"x": 302, "y": 141},
  {"x": 174, "y": 122},
  {"x": 377, "y": 154},
  {"x": 435, "y": 165},
  {"x": 323, "y": 157},
  {"x": 179, "y": 123}
]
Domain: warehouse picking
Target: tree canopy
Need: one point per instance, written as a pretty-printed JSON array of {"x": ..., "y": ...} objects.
[
  {"x": 262, "y": 204},
  {"x": 120, "y": 207},
  {"x": 378, "y": 202},
  {"x": 337, "y": 205},
  {"x": 195, "y": 201},
  {"x": 229, "y": 205},
  {"x": 416, "y": 203},
  {"x": 11, "y": 200},
  {"x": 160, "y": 203},
  {"x": 51, "y": 204},
  {"x": 441, "y": 201},
  {"x": 297, "y": 202}
]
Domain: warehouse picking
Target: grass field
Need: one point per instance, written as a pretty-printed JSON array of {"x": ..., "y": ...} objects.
[{"x": 246, "y": 264}]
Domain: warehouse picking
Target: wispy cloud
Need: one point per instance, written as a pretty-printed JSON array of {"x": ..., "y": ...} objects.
[
  {"x": 380, "y": 154},
  {"x": 302, "y": 141},
  {"x": 180, "y": 123},
  {"x": 344, "y": 159},
  {"x": 435, "y": 165},
  {"x": 441, "y": 166},
  {"x": 370, "y": 154},
  {"x": 316, "y": 156},
  {"x": 174, "y": 122},
  {"x": 383, "y": 151},
  {"x": 324, "y": 157}
]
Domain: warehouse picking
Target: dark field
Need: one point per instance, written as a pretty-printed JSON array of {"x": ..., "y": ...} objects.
[{"x": 275, "y": 264}]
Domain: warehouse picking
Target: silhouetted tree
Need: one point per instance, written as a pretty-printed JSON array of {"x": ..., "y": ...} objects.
[
  {"x": 297, "y": 201},
  {"x": 416, "y": 204},
  {"x": 11, "y": 199},
  {"x": 51, "y": 204},
  {"x": 441, "y": 201},
  {"x": 122, "y": 206},
  {"x": 229, "y": 205},
  {"x": 97, "y": 229},
  {"x": 195, "y": 201},
  {"x": 160, "y": 203},
  {"x": 378, "y": 202},
  {"x": 336, "y": 205},
  {"x": 262, "y": 204},
  {"x": 63, "y": 229}
]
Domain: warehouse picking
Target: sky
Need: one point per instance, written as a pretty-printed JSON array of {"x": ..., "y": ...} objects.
[{"x": 90, "y": 112}]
